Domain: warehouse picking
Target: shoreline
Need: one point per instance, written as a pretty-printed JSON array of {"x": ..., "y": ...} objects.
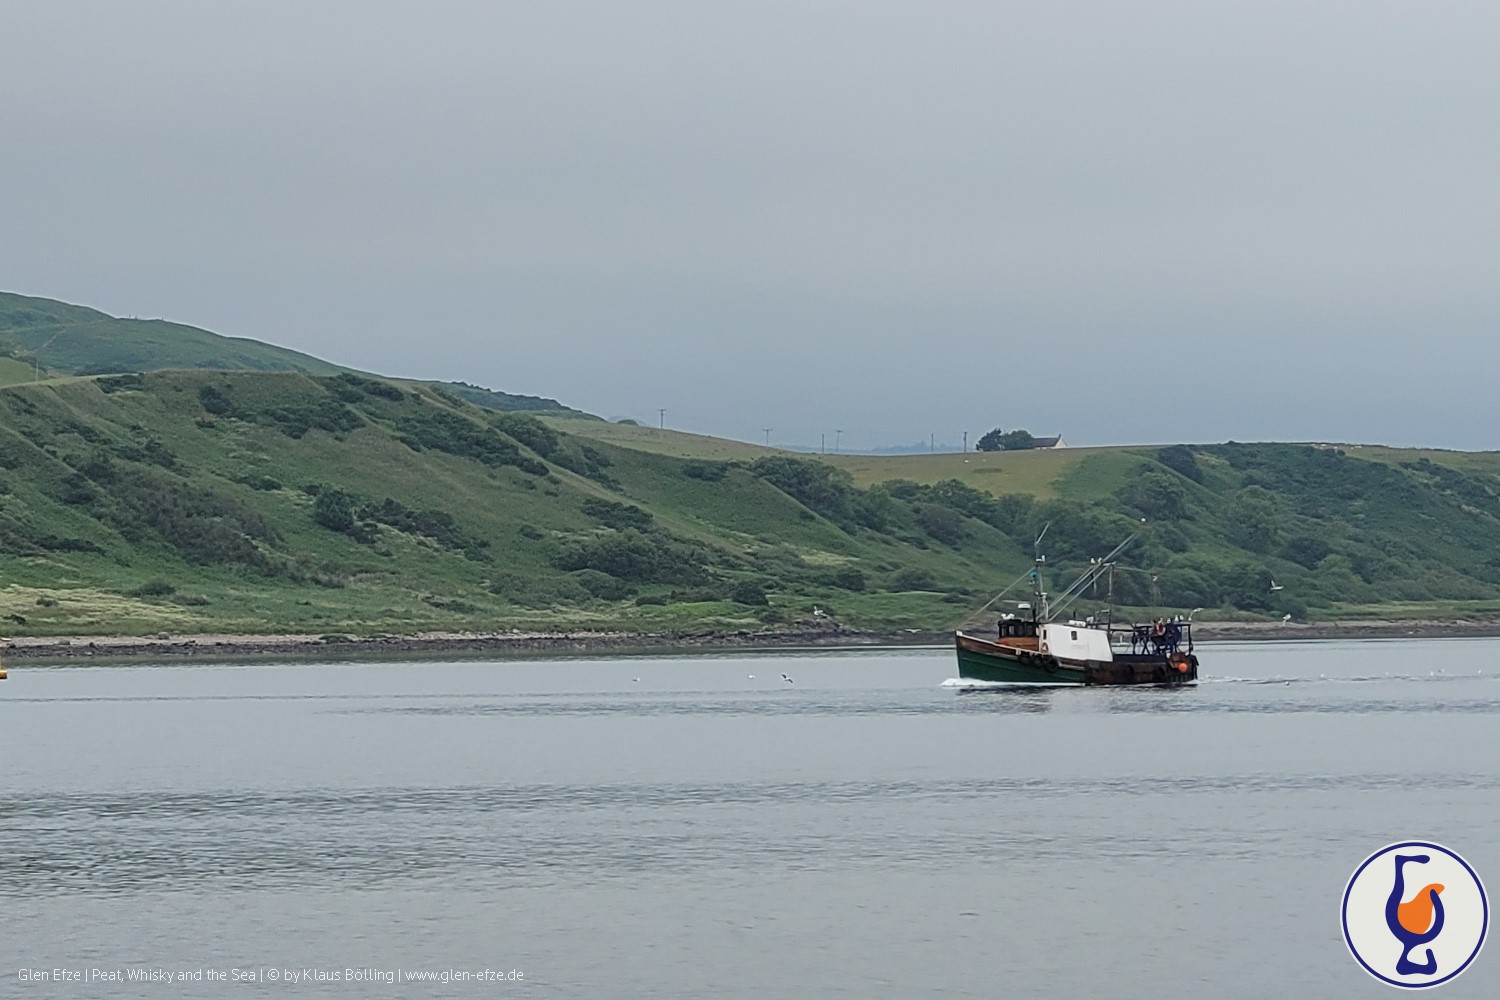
[{"x": 195, "y": 648}]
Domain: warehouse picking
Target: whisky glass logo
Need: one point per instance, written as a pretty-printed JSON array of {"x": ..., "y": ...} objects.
[{"x": 1415, "y": 914}]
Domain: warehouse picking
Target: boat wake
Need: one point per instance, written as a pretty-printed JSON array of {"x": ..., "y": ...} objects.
[
  {"x": 970, "y": 684},
  {"x": 1423, "y": 678}
]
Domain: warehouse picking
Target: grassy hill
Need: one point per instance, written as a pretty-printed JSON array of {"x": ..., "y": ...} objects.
[
  {"x": 269, "y": 491},
  {"x": 1342, "y": 530},
  {"x": 200, "y": 501},
  {"x": 658, "y": 441},
  {"x": 246, "y": 502},
  {"x": 75, "y": 340}
]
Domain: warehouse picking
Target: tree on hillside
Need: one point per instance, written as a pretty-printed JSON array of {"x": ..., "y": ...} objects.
[
  {"x": 990, "y": 441},
  {"x": 1180, "y": 459},
  {"x": 1156, "y": 494},
  {"x": 1017, "y": 440},
  {"x": 1254, "y": 516},
  {"x": 999, "y": 440}
]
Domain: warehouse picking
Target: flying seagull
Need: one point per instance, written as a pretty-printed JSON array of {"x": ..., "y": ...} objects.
[
  {"x": 1275, "y": 586},
  {"x": 786, "y": 678},
  {"x": 1285, "y": 619},
  {"x": 1193, "y": 612}
]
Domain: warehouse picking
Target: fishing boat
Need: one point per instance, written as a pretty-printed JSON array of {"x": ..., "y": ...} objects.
[{"x": 1030, "y": 648}]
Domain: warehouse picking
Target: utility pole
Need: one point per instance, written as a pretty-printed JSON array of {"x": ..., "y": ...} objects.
[
  {"x": 768, "y": 436},
  {"x": 838, "y": 437},
  {"x": 662, "y": 414},
  {"x": 36, "y": 358},
  {"x": 823, "y": 445},
  {"x": 931, "y": 443},
  {"x": 966, "y": 442}
]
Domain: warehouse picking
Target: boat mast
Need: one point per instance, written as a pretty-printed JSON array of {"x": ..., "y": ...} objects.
[
  {"x": 1040, "y": 612},
  {"x": 1111, "y": 619}
]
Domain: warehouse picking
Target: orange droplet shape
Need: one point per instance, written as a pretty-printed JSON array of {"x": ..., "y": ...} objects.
[{"x": 1416, "y": 916}]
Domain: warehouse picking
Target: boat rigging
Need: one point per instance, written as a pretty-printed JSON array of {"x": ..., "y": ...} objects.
[{"x": 1031, "y": 648}]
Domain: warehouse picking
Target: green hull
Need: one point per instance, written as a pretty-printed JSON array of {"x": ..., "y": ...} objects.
[
  {"x": 986, "y": 662},
  {"x": 1020, "y": 667}
]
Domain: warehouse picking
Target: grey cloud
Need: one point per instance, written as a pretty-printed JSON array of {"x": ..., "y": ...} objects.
[{"x": 1125, "y": 222}]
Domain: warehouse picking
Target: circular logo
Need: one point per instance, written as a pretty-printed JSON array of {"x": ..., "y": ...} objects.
[{"x": 1415, "y": 914}]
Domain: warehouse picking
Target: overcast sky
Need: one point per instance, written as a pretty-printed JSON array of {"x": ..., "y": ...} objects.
[{"x": 1124, "y": 222}]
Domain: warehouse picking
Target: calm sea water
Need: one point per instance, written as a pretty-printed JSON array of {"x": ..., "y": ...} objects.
[{"x": 676, "y": 827}]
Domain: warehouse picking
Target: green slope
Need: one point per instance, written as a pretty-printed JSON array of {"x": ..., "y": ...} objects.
[
  {"x": 247, "y": 502},
  {"x": 1343, "y": 530},
  {"x": 271, "y": 491},
  {"x": 13, "y": 372},
  {"x": 1339, "y": 531},
  {"x": 679, "y": 444},
  {"x": 196, "y": 501},
  {"x": 75, "y": 340}
]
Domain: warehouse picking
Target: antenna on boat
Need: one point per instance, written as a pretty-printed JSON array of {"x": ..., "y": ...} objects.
[
  {"x": 1111, "y": 593},
  {"x": 1040, "y": 612}
]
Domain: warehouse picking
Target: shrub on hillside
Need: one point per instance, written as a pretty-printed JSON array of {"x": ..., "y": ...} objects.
[
  {"x": 295, "y": 419},
  {"x": 708, "y": 472},
  {"x": 941, "y": 523},
  {"x": 586, "y": 461},
  {"x": 1156, "y": 495},
  {"x": 912, "y": 578},
  {"x": 1005, "y": 513},
  {"x": 530, "y": 431},
  {"x": 435, "y": 524},
  {"x": 848, "y": 579},
  {"x": 153, "y": 452},
  {"x": 1306, "y": 550},
  {"x": 445, "y": 431},
  {"x": 334, "y": 509},
  {"x": 215, "y": 400},
  {"x": 827, "y": 490},
  {"x": 207, "y": 530},
  {"x": 602, "y": 585},
  {"x": 616, "y": 515},
  {"x": 77, "y": 491},
  {"x": 1181, "y": 460},
  {"x": 1254, "y": 516},
  {"x": 353, "y": 388},
  {"x": 537, "y": 591},
  {"x": 638, "y": 558},
  {"x": 750, "y": 592},
  {"x": 120, "y": 383},
  {"x": 55, "y": 543}
]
